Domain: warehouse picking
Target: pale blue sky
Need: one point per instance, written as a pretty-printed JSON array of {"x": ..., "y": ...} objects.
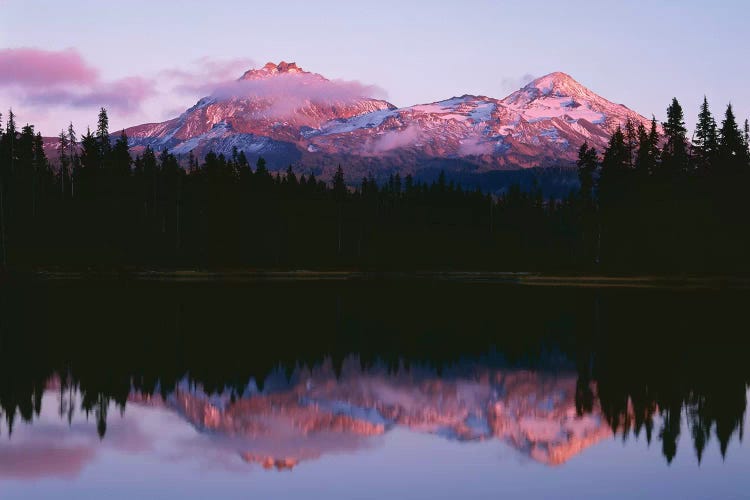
[{"x": 640, "y": 53}]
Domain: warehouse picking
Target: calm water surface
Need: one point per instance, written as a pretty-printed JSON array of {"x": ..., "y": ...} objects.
[{"x": 370, "y": 390}]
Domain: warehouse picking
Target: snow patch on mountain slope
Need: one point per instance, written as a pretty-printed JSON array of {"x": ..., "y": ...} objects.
[
  {"x": 547, "y": 108},
  {"x": 483, "y": 112},
  {"x": 468, "y": 109},
  {"x": 343, "y": 126}
]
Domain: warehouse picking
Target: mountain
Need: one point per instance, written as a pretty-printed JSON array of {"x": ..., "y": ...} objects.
[
  {"x": 291, "y": 116},
  {"x": 264, "y": 113}
]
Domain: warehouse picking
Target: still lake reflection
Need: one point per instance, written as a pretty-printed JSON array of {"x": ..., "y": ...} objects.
[{"x": 370, "y": 390}]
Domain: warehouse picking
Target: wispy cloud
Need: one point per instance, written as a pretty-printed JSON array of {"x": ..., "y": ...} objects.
[
  {"x": 513, "y": 83},
  {"x": 205, "y": 73},
  {"x": 474, "y": 146},
  {"x": 396, "y": 139},
  {"x": 125, "y": 95}
]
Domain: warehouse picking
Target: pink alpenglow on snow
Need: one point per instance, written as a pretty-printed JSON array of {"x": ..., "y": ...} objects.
[{"x": 292, "y": 116}]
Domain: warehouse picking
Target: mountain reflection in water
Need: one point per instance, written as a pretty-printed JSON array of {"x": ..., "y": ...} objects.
[
  {"x": 283, "y": 374},
  {"x": 319, "y": 412}
]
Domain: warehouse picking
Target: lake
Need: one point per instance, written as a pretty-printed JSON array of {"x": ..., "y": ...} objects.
[{"x": 371, "y": 388}]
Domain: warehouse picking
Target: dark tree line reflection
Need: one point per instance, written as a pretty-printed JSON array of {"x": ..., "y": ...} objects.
[{"x": 659, "y": 363}]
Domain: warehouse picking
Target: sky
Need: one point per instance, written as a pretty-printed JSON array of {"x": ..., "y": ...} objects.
[{"x": 150, "y": 60}]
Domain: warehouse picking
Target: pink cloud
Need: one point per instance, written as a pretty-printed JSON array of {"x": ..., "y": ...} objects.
[
  {"x": 41, "y": 68},
  {"x": 41, "y": 78}
]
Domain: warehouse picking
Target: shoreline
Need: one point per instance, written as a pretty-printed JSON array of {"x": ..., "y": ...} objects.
[{"x": 539, "y": 279}]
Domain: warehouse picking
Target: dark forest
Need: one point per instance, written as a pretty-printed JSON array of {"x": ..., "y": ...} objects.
[{"x": 653, "y": 201}]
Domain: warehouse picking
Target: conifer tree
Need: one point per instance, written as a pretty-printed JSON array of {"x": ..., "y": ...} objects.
[
  {"x": 4, "y": 167},
  {"x": 587, "y": 164},
  {"x": 312, "y": 182},
  {"x": 339, "y": 186},
  {"x": 441, "y": 183},
  {"x": 732, "y": 149},
  {"x": 242, "y": 162},
  {"x": 290, "y": 179},
  {"x": 192, "y": 163},
  {"x": 675, "y": 152},
  {"x": 26, "y": 150},
  {"x": 9, "y": 144},
  {"x": 102, "y": 136},
  {"x": 409, "y": 186},
  {"x": 89, "y": 152},
  {"x": 121, "y": 159},
  {"x": 75, "y": 163},
  {"x": 706, "y": 142},
  {"x": 616, "y": 155},
  {"x": 614, "y": 168},
  {"x": 643, "y": 152},
  {"x": 41, "y": 172},
  {"x": 260, "y": 167},
  {"x": 631, "y": 140},
  {"x": 63, "y": 174},
  {"x": 10, "y": 127},
  {"x": 653, "y": 138},
  {"x": 151, "y": 178},
  {"x": 72, "y": 139},
  {"x": 339, "y": 195},
  {"x": 40, "y": 157}
]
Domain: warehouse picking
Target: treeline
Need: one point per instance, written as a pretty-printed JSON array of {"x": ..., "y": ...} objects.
[
  {"x": 654, "y": 201},
  {"x": 658, "y": 201},
  {"x": 100, "y": 209}
]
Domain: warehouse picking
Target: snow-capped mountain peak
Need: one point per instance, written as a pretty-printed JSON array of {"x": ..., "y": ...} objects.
[
  {"x": 273, "y": 69},
  {"x": 553, "y": 85},
  {"x": 558, "y": 83},
  {"x": 558, "y": 95}
]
